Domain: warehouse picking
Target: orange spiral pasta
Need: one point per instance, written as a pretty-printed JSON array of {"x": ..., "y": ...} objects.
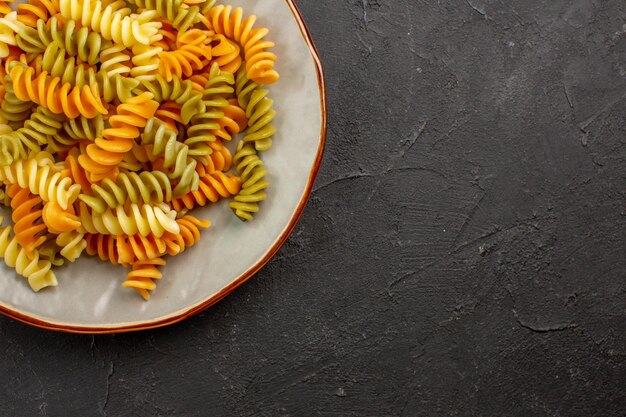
[
  {"x": 169, "y": 113},
  {"x": 104, "y": 246},
  {"x": 220, "y": 159},
  {"x": 58, "y": 220},
  {"x": 212, "y": 188},
  {"x": 27, "y": 215},
  {"x": 29, "y": 13},
  {"x": 105, "y": 154},
  {"x": 259, "y": 62},
  {"x": 189, "y": 234},
  {"x": 233, "y": 122},
  {"x": 142, "y": 277},
  {"x": 183, "y": 61},
  {"x": 226, "y": 53},
  {"x": 48, "y": 92}
]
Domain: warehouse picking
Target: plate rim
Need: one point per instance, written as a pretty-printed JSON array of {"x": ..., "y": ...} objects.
[{"x": 196, "y": 308}]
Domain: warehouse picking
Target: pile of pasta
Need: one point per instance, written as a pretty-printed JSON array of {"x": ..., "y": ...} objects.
[{"x": 114, "y": 115}]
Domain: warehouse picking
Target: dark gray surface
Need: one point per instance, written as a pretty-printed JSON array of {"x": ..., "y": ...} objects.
[{"x": 463, "y": 252}]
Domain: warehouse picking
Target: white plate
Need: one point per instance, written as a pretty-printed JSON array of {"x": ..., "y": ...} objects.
[{"x": 90, "y": 298}]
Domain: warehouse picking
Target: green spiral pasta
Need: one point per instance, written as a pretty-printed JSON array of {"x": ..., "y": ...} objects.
[
  {"x": 75, "y": 40},
  {"x": 219, "y": 83},
  {"x": 203, "y": 124},
  {"x": 178, "y": 90},
  {"x": 37, "y": 271},
  {"x": 145, "y": 187},
  {"x": 244, "y": 87},
  {"x": 37, "y": 131},
  {"x": 84, "y": 128},
  {"x": 180, "y": 18},
  {"x": 176, "y": 159},
  {"x": 12, "y": 109},
  {"x": 250, "y": 169},
  {"x": 260, "y": 115}
]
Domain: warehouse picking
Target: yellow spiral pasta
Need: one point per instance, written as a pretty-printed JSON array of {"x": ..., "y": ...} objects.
[
  {"x": 72, "y": 244},
  {"x": 115, "y": 122},
  {"x": 143, "y": 219},
  {"x": 41, "y": 178},
  {"x": 113, "y": 21}
]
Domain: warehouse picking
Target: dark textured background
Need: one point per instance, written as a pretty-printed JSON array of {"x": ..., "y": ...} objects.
[{"x": 463, "y": 252}]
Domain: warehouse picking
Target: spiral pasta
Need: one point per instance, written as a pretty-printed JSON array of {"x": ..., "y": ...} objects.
[
  {"x": 48, "y": 92},
  {"x": 27, "y": 212},
  {"x": 83, "y": 128},
  {"x": 41, "y": 179},
  {"x": 72, "y": 244},
  {"x": 173, "y": 153},
  {"x": 250, "y": 168},
  {"x": 183, "y": 61},
  {"x": 37, "y": 271},
  {"x": 180, "y": 91},
  {"x": 142, "y": 276},
  {"x": 145, "y": 187},
  {"x": 13, "y": 110},
  {"x": 105, "y": 154},
  {"x": 259, "y": 62},
  {"x": 212, "y": 187},
  {"x": 180, "y": 17},
  {"x": 114, "y": 120},
  {"x": 36, "y": 132},
  {"x": 143, "y": 219},
  {"x": 113, "y": 21}
]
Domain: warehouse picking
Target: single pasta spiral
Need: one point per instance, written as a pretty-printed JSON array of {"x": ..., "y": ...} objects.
[
  {"x": 212, "y": 187},
  {"x": 143, "y": 219},
  {"x": 181, "y": 91},
  {"x": 12, "y": 109},
  {"x": 41, "y": 179},
  {"x": 29, "y": 265},
  {"x": 183, "y": 61},
  {"x": 36, "y": 132},
  {"x": 174, "y": 155},
  {"x": 72, "y": 244},
  {"x": 145, "y": 187},
  {"x": 113, "y": 21},
  {"x": 189, "y": 235},
  {"x": 84, "y": 128},
  {"x": 48, "y": 92},
  {"x": 181, "y": 17},
  {"x": 29, "y": 227},
  {"x": 259, "y": 62},
  {"x": 33, "y": 11},
  {"x": 250, "y": 168},
  {"x": 142, "y": 277},
  {"x": 104, "y": 155}
]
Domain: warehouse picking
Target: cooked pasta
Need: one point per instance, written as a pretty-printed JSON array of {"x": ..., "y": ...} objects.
[{"x": 115, "y": 116}]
